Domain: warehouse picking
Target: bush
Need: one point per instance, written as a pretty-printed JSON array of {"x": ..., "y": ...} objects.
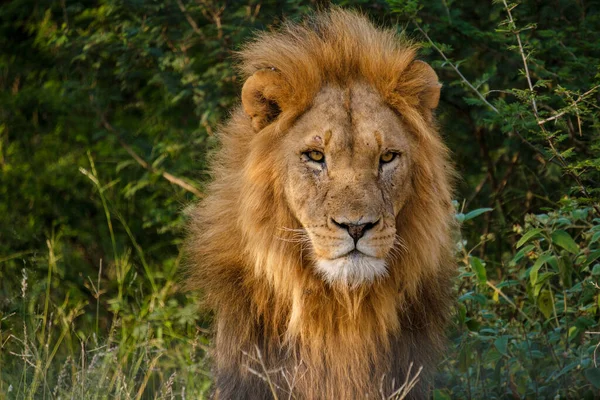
[
  {"x": 525, "y": 333},
  {"x": 108, "y": 110}
]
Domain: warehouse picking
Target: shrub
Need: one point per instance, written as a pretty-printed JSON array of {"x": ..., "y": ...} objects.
[{"x": 107, "y": 112}]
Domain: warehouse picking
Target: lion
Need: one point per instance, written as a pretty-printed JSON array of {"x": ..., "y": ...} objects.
[{"x": 324, "y": 243}]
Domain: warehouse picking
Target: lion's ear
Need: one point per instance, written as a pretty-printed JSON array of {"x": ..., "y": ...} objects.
[
  {"x": 263, "y": 96},
  {"x": 429, "y": 96}
]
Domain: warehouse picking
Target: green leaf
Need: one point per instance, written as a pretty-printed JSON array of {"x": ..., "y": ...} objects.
[
  {"x": 593, "y": 376},
  {"x": 520, "y": 254},
  {"x": 573, "y": 332},
  {"x": 502, "y": 345},
  {"x": 477, "y": 212},
  {"x": 542, "y": 278},
  {"x": 527, "y": 236},
  {"x": 566, "y": 369},
  {"x": 492, "y": 356},
  {"x": 564, "y": 240},
  {"x": 593, "y": 256},
  {"x": 595, "y": 237},
  {"x": 476, "y": 297},
  {"x": 544, "y": 303},
  {"x": 533, "y": 273},
  {"x": 479, "y": 269}
]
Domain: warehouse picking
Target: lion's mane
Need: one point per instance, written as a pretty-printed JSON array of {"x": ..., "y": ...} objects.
[{"x": 334, "y": 341}]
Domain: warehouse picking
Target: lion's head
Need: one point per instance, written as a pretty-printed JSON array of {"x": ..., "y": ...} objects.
[
  {"x": 348, "y": 131},
  {"x": 348, "y": 162},
  {"x": 329, "y": 219}
]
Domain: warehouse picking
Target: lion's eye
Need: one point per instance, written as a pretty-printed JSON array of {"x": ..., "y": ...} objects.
[
  {"x": 315, "y": 156},
  {"x": 388, "y": 157}
]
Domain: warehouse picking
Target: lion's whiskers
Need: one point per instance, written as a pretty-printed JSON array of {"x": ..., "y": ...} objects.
[
  {"x": 295, "y": 235},
  {"x": 285, "y": 228},
  {"x": 293, "y": 240},
  {"x": 401, "y": 243},
  {"x": 394, "y": 254},
  {"x": 398, "y": 249}
]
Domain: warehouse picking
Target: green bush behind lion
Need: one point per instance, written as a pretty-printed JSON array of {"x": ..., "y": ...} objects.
[{"x": 108, "y": 111}]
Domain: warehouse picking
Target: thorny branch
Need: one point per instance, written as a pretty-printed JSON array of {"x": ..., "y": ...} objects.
[
  {"x": 522, "y": 52},
  {"x": 556, "y": 154},
  {"x": 557, "y": 158},
  {"x": 455, "y": 68},
  {"x": 560, "y": 114},
  {"x": 473, "y": 88}
]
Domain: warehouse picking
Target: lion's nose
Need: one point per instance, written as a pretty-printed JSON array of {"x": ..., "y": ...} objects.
[{"x": 355, "y": 230}]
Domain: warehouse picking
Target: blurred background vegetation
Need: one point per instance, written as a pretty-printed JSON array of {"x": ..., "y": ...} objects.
[{"x": 108, "y": 112}]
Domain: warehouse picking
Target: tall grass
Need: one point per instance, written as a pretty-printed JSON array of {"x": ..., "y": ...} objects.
[{"x": 134, "y": 337}]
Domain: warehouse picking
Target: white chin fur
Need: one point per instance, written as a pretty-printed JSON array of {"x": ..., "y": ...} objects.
[{"x": 352, "y": 270}]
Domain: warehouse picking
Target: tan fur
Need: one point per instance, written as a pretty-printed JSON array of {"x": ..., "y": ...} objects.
[{"x": 350, "y": 89}]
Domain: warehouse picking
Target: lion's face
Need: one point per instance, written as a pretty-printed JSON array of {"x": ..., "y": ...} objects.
[{"x": 348, "y": 176}]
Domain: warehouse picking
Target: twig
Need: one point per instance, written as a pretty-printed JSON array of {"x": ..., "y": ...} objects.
[
  {"x": 490, "y": 284},
  {"x": 264, "y": 377},
  {"x": 595, "y": 348},
  {"x": 560, "y": 114},
  {"x": 455, "y": 68},
  {"x": 189, "y": 19},
  {"x": 295, "y": 379},
  {"x": 522, "y": 51},
  {"x": 563, "y": 164},
  {"x": 478, "y": 188},
  {"x": 408, "y": 385},
  {"x": 214, "y": 14},
  {"x": 170, "y": 177},
  {"x": 140, "y": 392},
  {"x": 16, "y": 255},
  {"x": 98, "y": 293}
]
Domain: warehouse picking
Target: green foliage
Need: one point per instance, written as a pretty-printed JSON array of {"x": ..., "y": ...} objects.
[
  {"x": 525, "y": 333},
  {"x": 107, "y": 113}
]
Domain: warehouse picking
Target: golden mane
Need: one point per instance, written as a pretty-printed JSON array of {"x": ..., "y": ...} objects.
[{"x": 265, "y": 297}]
